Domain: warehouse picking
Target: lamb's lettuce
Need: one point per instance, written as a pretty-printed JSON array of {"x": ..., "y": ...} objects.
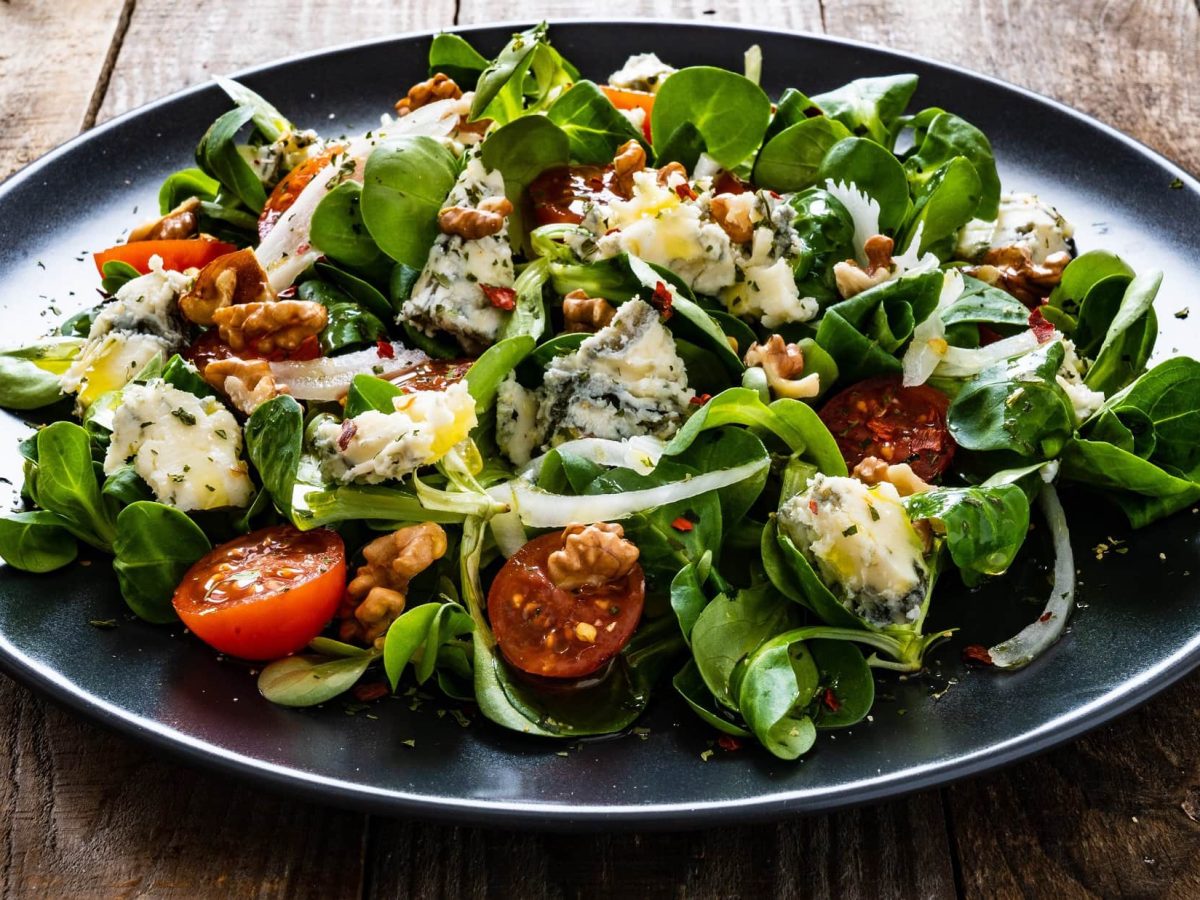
[
  {"x": 984, "y": 526},
  {"x": 701, "y": 98}
]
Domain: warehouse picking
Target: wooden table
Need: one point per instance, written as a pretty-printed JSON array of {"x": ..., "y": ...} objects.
[{"x": 87, "y": 813}]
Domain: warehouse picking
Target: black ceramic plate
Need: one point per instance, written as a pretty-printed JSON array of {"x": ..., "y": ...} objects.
[{"x": 1138, "y": 628}]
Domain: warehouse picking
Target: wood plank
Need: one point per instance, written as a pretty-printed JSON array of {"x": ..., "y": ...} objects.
[
  {"x": 91, "y": 814},
  {"x": 798, "y": 15},
  {"x": 1134, "y": 64},
  {"x": 894, "y": 850},
  {"x": 49, "y": 69},
  {"x": 173, "y": 45}
]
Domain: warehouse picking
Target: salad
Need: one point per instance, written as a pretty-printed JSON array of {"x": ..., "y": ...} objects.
[{"x": 556, "y": 394}]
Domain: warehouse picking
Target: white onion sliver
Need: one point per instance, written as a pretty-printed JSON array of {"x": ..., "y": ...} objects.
[
  {"x": 928, "y": 344},
  {"x": 507, "y": 529},
  {"x": 863, "y": 210},
  {"x": 962, "y": 363},
  {"x": 329, "y": 377},
  {"x": 539, "y": 509},
  {"x": 1035, "y": 638},
  {"x": 640, "y": 453}
]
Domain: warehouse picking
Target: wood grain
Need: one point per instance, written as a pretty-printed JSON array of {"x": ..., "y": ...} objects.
[
  {"x": 172, "y": 45},
  {"x": 798, "y": 15},
  {"x": 50, "y": 68}
]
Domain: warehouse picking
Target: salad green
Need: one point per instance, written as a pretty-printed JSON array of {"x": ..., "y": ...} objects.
[{"x": 559, "y": 393}]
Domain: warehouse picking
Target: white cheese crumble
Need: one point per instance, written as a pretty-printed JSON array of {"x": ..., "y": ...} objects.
[
  {"x": 641, "y": 72},
  {"x": 448, "y": 296},
  {"x": 517, "y": 429},
  {"x": 187, "y": 448},
  {"x": 1084, "y": 401},
  {"x": 863, "y": 546},
  {"x": 148, "y": 304},
  {"x": 111, "y": 362},
  {"x": 271, "y": 162},
  {"x": 625, "y": 380},
  {"x": 1023, "y": 221},
  {"x": 375, "y": 446}
]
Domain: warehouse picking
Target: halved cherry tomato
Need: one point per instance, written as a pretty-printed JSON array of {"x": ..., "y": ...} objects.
[
  {"x": 289, "y": 189},
  {"x": 880, "y": 417},
  {"x": 176, "y": 255},
  {"x": 265, "y": 594},
  {"x": 562, "y": 194},
  {"x": 537, "y": 624},
  {"x": 209, "y": 348},
  {"x": 625, "y": 99}
]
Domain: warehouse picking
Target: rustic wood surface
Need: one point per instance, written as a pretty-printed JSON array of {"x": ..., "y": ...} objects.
[{"x": 86, "y": 813}]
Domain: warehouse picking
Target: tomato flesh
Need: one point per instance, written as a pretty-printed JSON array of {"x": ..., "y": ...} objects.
[
  {"x": 880, "y": 417},
  {"x": 562, "y": 194},
  {"x": 265, "y": 594},
  {"x": 177, "y": 255},
  {"x": 537, "y": 625},
  {"x": 286, "y": 192}
]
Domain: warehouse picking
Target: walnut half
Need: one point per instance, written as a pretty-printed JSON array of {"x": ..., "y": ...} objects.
[
  {"x": 378, "y": 592},
  {"x": 440, "y": 87},
  {"x": 248, "y": 383},
  {"x": 1012, "y": 269},
  {"x": 783, "y": 363},
  {"x": 853, "y": 279},
  {"x": 228, "y": 280},
  {"x": 471, "y": 224},
  {"x": 873, "y": 470},
  {"x": 591, "y": 555},
  {"x": 278, "y": 325},
  {"x": 585, "y": 314},
  {"x": 630, "y": 159},
  {"x": 180, "y": 223}
]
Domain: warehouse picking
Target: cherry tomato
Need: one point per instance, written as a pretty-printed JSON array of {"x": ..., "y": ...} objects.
[
  {"x": 624, "y": 99},
  {"x": 544, "y": 630},
  {"x": 880, "y": 417},
  {"x": 265, "y": 594},
  {"x": 561, "y": 194},
  {"x": 289, "y": 189},
  {"x": 177, "y": 255},
  {"x": 209, "y": 348}
]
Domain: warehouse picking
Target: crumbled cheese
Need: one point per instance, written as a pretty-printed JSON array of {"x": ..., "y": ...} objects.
[
  {"x": 1023, "y": 221},
  {"x": 863, "y": 545},
  {"x": 641, "y": 72},
  {"x": 1084, "y": 401},
  {"x": 271, "y": 162},
  {"x": 110, "y": 362},
  {"x": 517, "y": 431},
  {"x": 187, "y": 448},
  {"x": 448, "y": 296},
  {"x": 375, "y": 446},
  {"x": 147, "y": 304}
]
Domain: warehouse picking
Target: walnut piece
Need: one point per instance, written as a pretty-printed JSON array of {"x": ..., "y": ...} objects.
[
  {"x": 733, "y": 216},
  {"x": 591, "y": 555},
  {"x": 672, "y": 172},
  {"x": 630, "y": 159},
  {"x": 440, "y": 87},
  {"x": 874, "y": 470},
  {"x": 582, "y": 313},
  {"x": 228, "y": 280},
  {"x": 1012, "y": 269},
  {"x": 473, "y": 223},
  {"x": 853, "y": 279},
  {"x": 783, "y": 363},
  {"x": 277, "y": 325},
  {"x": 378, "y": 592},
  {"x": 248, "y": 383},
  {"x": 180, "y": 223}
]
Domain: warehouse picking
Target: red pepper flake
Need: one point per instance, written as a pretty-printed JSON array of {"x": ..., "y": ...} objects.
[
  {"x": 700, "y": 399},
  {"x": 777, "y": 196},
  {"x": 977, "y": 654},
  {"x": 682, "y": 524},
  {"x": 812, "y": 507},
  {"x": 349, "y": 429},
  {"x": 729, "y": 743},
  {"x": 831, "y": 701},
  {"x": 385, "y": 350},
  {"x": 1046, "y": 617},
  {"x": 500, "y": 297},
  {"x": 611, "y": 231},
  {"x": 1042, "y": 329},
  {"x": 685, "y": 192},
  {"x": 662, "y": 300}
]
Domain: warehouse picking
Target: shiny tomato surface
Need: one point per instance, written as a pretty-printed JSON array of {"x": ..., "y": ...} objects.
[
  {"x": 265, "y": 594},
  {"x": 880, "y": 417},
  {"x": 286, "y": 192},
  {"x": 177, "y": 255},
  {"x": 546, "y": 631},
  {"x": 562, "y": 194}
]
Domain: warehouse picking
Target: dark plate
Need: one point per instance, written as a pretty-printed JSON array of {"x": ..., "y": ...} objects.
[{"x": 1138, "y": 629}]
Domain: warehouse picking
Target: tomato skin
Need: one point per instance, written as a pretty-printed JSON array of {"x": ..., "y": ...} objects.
[
  {"x": 561, "y": 194},
  {"x": 265, "y": 594},
  {"x": 535, "y": 622},
  {"x": 286, "y": 192},
  {"x": 880, "y": 417},
  {"x": 625, "y": 99},
  {"x": 177, "y": 255}
]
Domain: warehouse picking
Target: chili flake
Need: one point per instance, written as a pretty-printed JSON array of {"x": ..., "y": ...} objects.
[
  {"x": 500, "y": 297},
  {"x": 682, "y": 524}
]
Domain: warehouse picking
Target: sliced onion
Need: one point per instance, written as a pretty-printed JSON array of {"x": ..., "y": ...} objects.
[
  {"x": 508, "y": 531},
  {"x": 329, "y": 377},
  {"x": 541, "y": 509},
  {"x": 640, "y": 453},
  {"x": 1037, "y": 637},
  {"x": 962, "y": 363},
  {"x": 863, "y": 210},
  {"x": 928, "y": 346}
]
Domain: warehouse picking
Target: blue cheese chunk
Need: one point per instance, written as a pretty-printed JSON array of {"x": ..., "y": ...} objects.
[
  {"x": 374, "y": 446},
  {"x": 1084, "y": 401},
  {"x": 1024, "y": 221},
  {"x": 448, "y": 296},
  {"x": 518, "y": 432},
  {"x": 186, "y": 448},
  {"x": 641, "y": 72},
  {"x": 862, "y": 544}
]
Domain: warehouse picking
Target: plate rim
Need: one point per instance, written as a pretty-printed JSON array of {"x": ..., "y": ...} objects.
[{"x": 533, "y": 815}]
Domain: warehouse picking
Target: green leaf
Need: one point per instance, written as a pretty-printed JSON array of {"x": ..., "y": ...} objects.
[
  {"x": 348, "y": 326},
  {"x": 67, "y": 484},
  {"x": 154, "y": 547},
  {"x": 451, "y": 54},
  {"x": 367, "y": 392},
  {"x": 492, "y": 367},
  {"x": 416, "y": 636},
  {"x": 874, "y": 171},
  {"x": 594, "y": 127},
  {"x": 310, "y": 680},
  {"x": 360, "y": 291},
  {"x": 870, "y": 107},
  {"x": 780, "y": 682},
  {"x": 270, "y": 122},
  {"x": 984, "y": 526},
  {"x": 704, "y": 97},
  {"x": 791, "y": 160},
  {"x": 687, "y": 593},
  {"x": 405, "y": 182},
  {"x": 793, "y": 107},
  {"x": 692, "y": 689},
  {"x": 942, "y": 205},
  {"x": 218, "y": 155},
  {"x": 186, "y": 183},
  {"x": 982, "y": 304},
  {"x": 274, "y": 442},
  {"x": 499, "y": 93},
  {"x": 521, "y": 151},
  {"x": 842, "y": 671},
  {"x": 1130, "y": 338},
  {"x": 338, "y": 229},
  {"x": 942, "y": 137},
  {"x": 29, "y": 376},
  {"x": 116, "y": 274},
  {"x": 37, "y": 541}
]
